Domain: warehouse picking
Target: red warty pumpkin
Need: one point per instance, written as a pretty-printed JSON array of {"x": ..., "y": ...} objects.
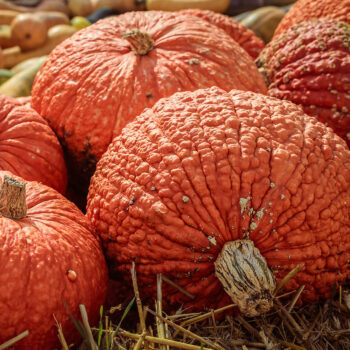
[
  {"x": 309, "y": 64},
  {"x": 29, "y": 148},
  {"x": 48, "y": 255},
  {"x": 237, "y": 31},
  {"x": 193, "y": 184},
  {"x": 305, "y": 10},
  {"x": 102, "y": 77}
]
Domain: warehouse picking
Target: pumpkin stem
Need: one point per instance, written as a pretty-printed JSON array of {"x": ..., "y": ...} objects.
[
  {"x": 13, "y": 198},
  {"x": 141, "y": 43},
  {"x": 245, "y": 276}
]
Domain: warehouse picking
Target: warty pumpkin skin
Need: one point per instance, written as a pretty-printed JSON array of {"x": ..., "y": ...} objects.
[
  {"x": 47, "y": 257},
  {"x": 207, "y": 168},
  {"x": 305, "y": 10},
  {"x": 237, "y": 31},
  {"x": 94, "y": 83},
  {"x": 309, "y": 64},
  {"x": 29, "y": 148}
]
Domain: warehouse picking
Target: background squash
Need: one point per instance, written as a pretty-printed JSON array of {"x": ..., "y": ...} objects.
[
  {"x": 309, "y": 64},
  {"x": 29, "y": 30},
  {"x": 29, "y": 148},
  {"x": 207, "y": 175},
  {"x": 13, "y": 55},
  {"x": 304, "y": 10},
  {"x": 48, "y": 255},
  {"x": 263, "y": 21},
  {"x": 94, "y": 83}
]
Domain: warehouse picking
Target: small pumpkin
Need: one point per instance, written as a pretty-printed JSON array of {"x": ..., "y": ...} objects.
[
  {"x": 304, "y": 10},
  {"x": 238, "y": 32},
  {"x": 309, "y": 64},
  {"x": 209, "y": 187},
  {"x": 12, "y": 56},
  {"x": 97, "y": 81},
  {"x": 29, "y": 148},
  {"x": 49, "y": 256},
  {"x": 29, "y": 30}
]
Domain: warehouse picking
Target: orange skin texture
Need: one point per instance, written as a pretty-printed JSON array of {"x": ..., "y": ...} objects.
[
  {"x": 93, "y": 84},
  {"x": 309, "y": 64},
  {"x": 245, "y": 37},
  {"x": 225, "y": 165},
  {"x": 29, "y": 147},
  {"x": 305, "y": 10},
  {"x": 36, "y": 253}
]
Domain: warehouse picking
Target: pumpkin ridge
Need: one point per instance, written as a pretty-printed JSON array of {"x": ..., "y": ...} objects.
[
  {"x": 193, "y": 187},
  {"x": 200, "y": 218}
]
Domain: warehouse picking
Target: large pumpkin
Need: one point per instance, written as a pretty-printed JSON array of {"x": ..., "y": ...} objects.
[
  {"x": 29, "y": 148},
  {"x": 305, "y": 10},
  {"x": 48, "y": 255},
  {"x": 237, "y": 31},
  {"x": 193, "y": 184},
  {"x": 309, "y": 64},
  {"x": 94, "y": 83}
]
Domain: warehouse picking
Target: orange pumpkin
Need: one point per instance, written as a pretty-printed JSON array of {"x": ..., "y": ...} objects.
[
  {"x": 48, "y": 255},
  {"x": 210, "y": 188},
  {"x": 29, "y": 148},
  {"x": 101, "y": 78},
  {"x": 305, "y": 10}
]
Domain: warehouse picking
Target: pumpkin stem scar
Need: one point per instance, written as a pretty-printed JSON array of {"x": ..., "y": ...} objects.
[
  {"x": 245, "y": 276},
  {"x": 13, "y": 198},
  {"x": 141, "y": 43}
]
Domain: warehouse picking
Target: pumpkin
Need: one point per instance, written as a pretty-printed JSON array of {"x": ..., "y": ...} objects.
[
  {"x": 238, "y": 32},
  {"x": 48, "y": 255},
  {"x": 29, "y": 148},
  {"x": 28, "y": 31},
  {"x": 304, "y": 10},
  {"x": 207, "y": 187},
  {"x": 309, "y": 64},
  {"x": 97, "y": 81}
]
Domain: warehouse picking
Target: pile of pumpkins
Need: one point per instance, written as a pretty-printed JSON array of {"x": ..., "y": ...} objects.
[{"x": 203, "y": 156}]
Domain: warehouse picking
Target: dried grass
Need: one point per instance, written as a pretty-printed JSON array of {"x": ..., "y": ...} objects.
[{"x": 319, "y": 326}]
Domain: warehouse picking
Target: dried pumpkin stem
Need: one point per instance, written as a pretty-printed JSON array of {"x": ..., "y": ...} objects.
[
  {"x": 13, "y": 198},
  {"x": 245, "y": 276},
  {"x": 141, "y": 43}
]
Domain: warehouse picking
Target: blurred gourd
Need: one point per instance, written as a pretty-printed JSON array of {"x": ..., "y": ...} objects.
[
  {"x": 263, "y": 21},
  {"x": 175, "y": 5},
  {"x": 13, "y": 55},
  {"x": 45, "y": 5},
  {"x": 29, "y": 30}
]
